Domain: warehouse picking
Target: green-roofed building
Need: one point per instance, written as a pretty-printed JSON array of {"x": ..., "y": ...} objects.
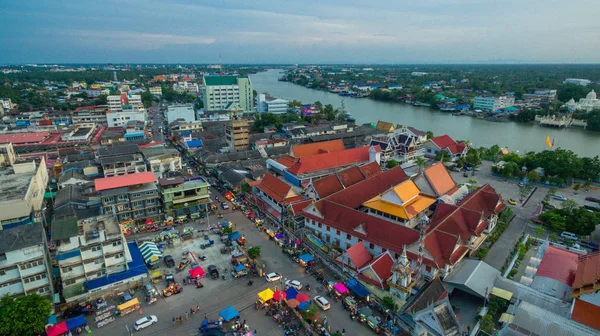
[{"x": 221, "y": 91}]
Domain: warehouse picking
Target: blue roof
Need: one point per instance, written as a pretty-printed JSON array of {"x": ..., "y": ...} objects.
[
  {"x": 194, "y": 143},
  {"x": 234, "y": 236},
  {"x": 306, "y": 258},
  {"x": 357, "y": 288},
  {"x": 239, "y": 267},
  {"x": 186, "y": 133},
  {"x": 75, "y": 322},
  {"x": 67, "y": 255},
  {"x": 136, "y": 267},
  {"x": 304, "y": 305},
  {"x": 225, "y": 224},
  {"x": 229, "y": 313}
]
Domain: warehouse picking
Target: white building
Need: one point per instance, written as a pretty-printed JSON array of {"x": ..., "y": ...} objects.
[
  {"x": 123, "y": 108},
  {"x": 185, "y": 112},
  {"x": 6, "y": 105},
  {"x": 87, "y": 248},
  {"x": 577, "y": 81},
  {"x": 272, "y": 105},
  {"x": 220, "y": 92},
  {"x": 187, "y": 87},
  {"x": 163, "y": 160},
  {"x": 589, "y": 103},
  {"x": 156, "y": 90},
  {"x": 24, "y": 261},
  {"x": 493, "y": 103}
]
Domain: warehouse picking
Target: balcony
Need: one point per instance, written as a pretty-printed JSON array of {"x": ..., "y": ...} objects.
[
  {"x": 111, "y": 261},
  {"x": 74, "y": 272},
  {"x": 16, "y": 288},
  {"x": 35, "y": 284},
  {"x": 89, "y": 254},
  {"x": 34, "y": 270},
  {"x": 93, "y": 267}
]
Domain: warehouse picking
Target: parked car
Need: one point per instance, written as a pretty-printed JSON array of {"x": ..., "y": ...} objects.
[
  {"x": 589, "y": 244},
  {"x": 592, "y": 199},
  {"x": 150, "y": 290},
  {"x": 145, "y": 322},
  {"x": 568, "y": 235},
  {"x": 559, "y": 197},
  {"x": 169, "y": 261},
  {"x": 591, "y": 208},
  {"x": 224, "y": 205},
  {"x": 511, "y": 201},
  {"x": 294, "y": 283},
  {"x": 322, "y": 302},
  {"x": 271, "y": 277},
  {"x": 521, "y": 184}
]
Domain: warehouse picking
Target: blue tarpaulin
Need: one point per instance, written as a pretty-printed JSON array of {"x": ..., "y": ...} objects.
[
  {"x": 75, "y": 322},
  {"x": 291, "y": 293},
  {"x": 136, "y": 268},
  {"x": 225, "y": 224},
  {"x": 239, "y": 268},
  {"x": 357, "y": 288},
  {"x": 235, "y": 236},
  {"x": 304, "y": 305},
  {"x": 51, "y": 320},
  {"x": 229, "y": 313},
  {"x": 306, "y": 258}
]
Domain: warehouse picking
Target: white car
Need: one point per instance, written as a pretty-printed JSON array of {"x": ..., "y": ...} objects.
[
  {"x": 559, "y": 197},
  {"x": 293, "y": 283},
  {"x": 145, "y": 322},
  {"x": 271, "y": 277},
  {"x": 322, "y": 302}
]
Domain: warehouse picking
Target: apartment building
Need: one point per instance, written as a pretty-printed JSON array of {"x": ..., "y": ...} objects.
[
  {"x": 133, "y": 198},
  {"x": 88, "y": 246},
  {"x": 185, "y": 112},
  {"x": 267, "y": 104},
  {"x": 89, "y": 114},
  {"x": 24, "y": 261},
  {"x": 237, "y": 134},
  {"x": 182, "y": 197},
  {"x": 123, "y": 108},
  {"x": 7, "y": 155},
  {"x": 6, "y": 105},
  {"x": 221, "y": 91},
  {"x": 163, "y": 160},
  {"x": 22, "y": 197},
  {"x": 493, "y": 103},
  {"x": 156, "y": 90},
  {"x": 187, "y": 87},
  {"x": 121, "y": 160}
]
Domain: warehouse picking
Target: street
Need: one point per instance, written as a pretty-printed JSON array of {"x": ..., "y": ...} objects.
[
  {"x": 234, "y": 292},
  {"x": 158, "y": 121}
]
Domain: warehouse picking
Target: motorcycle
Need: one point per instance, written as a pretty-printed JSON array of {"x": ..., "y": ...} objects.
[
  {"x": 223, "y": 277},
  {"x": 203, "y": 258},
  {"x": 250, "y": 283},
  {"x": 308, "y": 287}
]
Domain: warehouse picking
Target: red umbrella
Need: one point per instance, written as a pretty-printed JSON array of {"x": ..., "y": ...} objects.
[
  {"x": 149, "y": 222},
  {"x": 279, "y": 295},
  {"x": 302, "y": 297}
]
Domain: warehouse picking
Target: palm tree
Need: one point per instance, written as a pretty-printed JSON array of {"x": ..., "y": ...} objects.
[{"x": 421, "y": 163}]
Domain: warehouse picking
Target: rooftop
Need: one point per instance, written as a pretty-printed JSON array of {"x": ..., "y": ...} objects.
[
  {"x": 14, "y": 186},
  {"x": 299, "y": 151},
  {"x": 21, "y": 236},
  {"x": 220, "y": 80},
  {"x": 124, "y": 181},
  {"x": 64, "y": 228},
  {"x": 558, "y": 264},
  {"x": 23, "y": 138},
  {"x": 119, "y": 150},
  {"x": 329, "y": 160}
]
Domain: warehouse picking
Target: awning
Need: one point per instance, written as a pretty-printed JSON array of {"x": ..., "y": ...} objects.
[
  {"x": 291, "y": 293},
  {"x": 156, "y": 274},
  {"x": 306, "y": 258},
  {"x": 75, "y": 322},
  {"x": 226, "y": 224},
  {"x": 239, "y": 267},
  {"x": 506, "y": 318},
  {"x": 150, "y": 252},
  {"x": 235, "y": 236},
  {"x": 196, "y": 272},
  {"x": 265, "y": 295},
  {"x": 58, "y": 329},
  {"x": 229, "y": 313},
  {"x": 501, "y": 293},
  {"x": 128, "y": 304},
  {"x": 304, "y": 305},
  {"x": 279, "y": 236},
  {"x": 340, "y": 288},
  {"x": 357, "y": 288}
]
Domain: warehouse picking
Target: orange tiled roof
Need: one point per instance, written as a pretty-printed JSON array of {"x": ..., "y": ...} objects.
[
  {"x": 588, "y": 270},
  {"x": 330, "y": 160},
  {"x": 440, "y": 179},
  {"x": 586, "y": 313},
  {"x": 406, "y": 190},
  {"x": 276, "y": 188},
  {"x": 299, "y": 151}
]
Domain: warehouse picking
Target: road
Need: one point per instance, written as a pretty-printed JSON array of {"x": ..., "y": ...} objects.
[
  {"x": 234, "y": 292},
  {"x": 158, "y": 121}
]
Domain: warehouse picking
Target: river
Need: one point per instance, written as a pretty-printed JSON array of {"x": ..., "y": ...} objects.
[{"x": 515, "y": 136}]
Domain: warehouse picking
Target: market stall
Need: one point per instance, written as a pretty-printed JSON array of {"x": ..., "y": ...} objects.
[
  {"x": 229, "y": 314},
  {"x": 265, "y": 295},
  {"x": 304, "y": 305},
  {"x": 157, "y": 276},
  {"x": 358, "y": 289},
  {"x": 129, "y": 307},
  {"x": 78, "y": 321},
  {"x": 302, "y": 297},
  {"x": 306, "y": 260},
  {"x": 240, "y": 271},
  {"x": 340, "y": 288},
  {"x": 226, "y": 225},
  {"x": 279, "y": 295},
  {"x": 197, "y": 272},
  {"x": 57, "y": 329},
  {"x": 291, "y": 293},
  {"x": 151, "y": 254}
]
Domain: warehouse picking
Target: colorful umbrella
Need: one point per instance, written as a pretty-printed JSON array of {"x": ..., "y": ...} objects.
[
  {"x": 304, "y": 305},
  {"x": 279, "y": 295},
  {"x": 293, "y": 303},
  {"x": 291, "y": 293},
  {"x": 302, "y": 297},
  {"x": 149, "y": 222}
]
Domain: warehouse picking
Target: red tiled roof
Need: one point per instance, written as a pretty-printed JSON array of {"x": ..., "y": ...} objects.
[
  {"x": 378, "y": 231},
  {"x": 484, "y": 199},
  {"x": 457, "y": 148},
  {"x": 22, "y": 138},
  {"x": 370, "y": 169},
  {"x": 351, "y": 176},
  {"x": 361, "y": 192},
  {"x": 292, "y": 199},
  {"x": 588, "y": 270},
  {"x": 441, "y": 246},
  {"x": 327, "y": 185},
  {"x": 382, "y": 266},
  {"x": 439, "y": 178},
  {"x": 359, "y": 255},
  {"x": 274, "y": 187},
  {"x": 330, "y": 160},
  {"x": 124, "y": 180},
  {"x": 586, "y": 313},
  {"x": 299, "y": 151},
  {"x": 297, "y": 207},
  {"x": 558, "y": 264},
  {"x": 443, "y": 141},
  {"x": 462, "y": 223},
  {"x": 287, "y": 161}
]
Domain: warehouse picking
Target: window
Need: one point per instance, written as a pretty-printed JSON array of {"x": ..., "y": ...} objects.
[
  {"x": 117, "y": 243},
  {"x": 327, "y": 228},
  {"x": 348, "y": 245},
  {"x": 98, "y": 261},
  {"x": 348, "y": 236},
  {"x": 149, "y": 193},
  {"x": 69, "y": 282},
  {"x": 96, "y": 248},
  {"x": 35, "y": 278},
  {"x": 427, "y": 269},
  {"x": 371, "y": 246},
  {"x": 67, "y": 269},
  {"x": 136, "y": 195},
  {"x": 139, "y": 213},
  {"x": 2, "y": 256},
  {"x": 118, "y": 255},
  {"x": 319, "y": 225},
  {"x": 337, "y": 232},
  {"x": 109, "y": 199}
]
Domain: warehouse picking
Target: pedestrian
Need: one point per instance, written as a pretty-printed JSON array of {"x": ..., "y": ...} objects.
[
  {"x": 343, "y": 331},
  {"x": 186, "y": 316},
  {"x": 191, "y": 310},
  {"x": 173, "y": 320},
  {"x": 255, "y": 333},
  {"x": 198, "y": 308}
]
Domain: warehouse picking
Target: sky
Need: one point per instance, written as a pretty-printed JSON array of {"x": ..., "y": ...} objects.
[{"x": 302, "y": 31}]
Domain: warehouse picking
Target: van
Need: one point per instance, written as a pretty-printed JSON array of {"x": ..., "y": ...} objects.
[
  {"x": 150, "y": 290},
  {"x": 568, "y": 235}
]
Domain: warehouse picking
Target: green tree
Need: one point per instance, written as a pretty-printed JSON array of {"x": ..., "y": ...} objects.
[
  {"x": 539, "y": 232},
  {"x": 421, "y": 163},
  {"x": 569, "y": 206},
  {"x": 227, "y": 230},
  {"x": 442, "y": 156},
  {"x": 319, "y": 105},
  {"x": 533, "y": 176},
  {"x": 24, "y": 315},
  {"x": 472, "y": 158},
  {"x": 245, "y": 188},
  {"x": 389, "y": 303},
  {"x": 429, "y": 135},
  {"x": 146, "y": 98},
  {"x": 253, "y": 252},
  {"x": 294, "y": 103},
  {"x": 554, "y": 219},
  {"x": 487, "y": 324},
  {"x": 101, "y": 100},
  {"x": 391, "y": 164},
  {"x": 593, "y": 120},
  {"x": 582, "y": 222},
  {"x": 329, "y": 112}
]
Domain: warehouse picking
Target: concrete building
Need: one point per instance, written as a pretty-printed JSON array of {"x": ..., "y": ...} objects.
[
  {"x": 183, "y": 197},
  {"x": 7, "y": 155},
  {"x": 24, "y": 261},
  {"x": 589, "y": 103},
  {"x": 22, "y": 196},
  {"x": 162, "y": 160},
  {"x": 185, "y": 112},
  {"x": 237, "y": 134},
  {"x": 89, "y": 114},
  {"x": 577, "y": 81},
  {"x": 273, "y": 195},
  {"x": 493, "y": 103},
  {"x": 221, "y": 91},
  {"x": 187, "y": 87},
  {"x": 121, "y": 160},
  {"x": 88, "y": 246},
  {"x": 444, "y": 143},
  {"x": 6, "y": 105},
  {"x": 155, "y": 90},
  {"x": 123, "y": 108},
  {"x": 133, "y": 198},
  {"x": 271, "y": 105}
]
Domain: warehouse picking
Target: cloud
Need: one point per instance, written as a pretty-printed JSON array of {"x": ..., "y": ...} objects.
[{"x": 135, "y": 41}]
